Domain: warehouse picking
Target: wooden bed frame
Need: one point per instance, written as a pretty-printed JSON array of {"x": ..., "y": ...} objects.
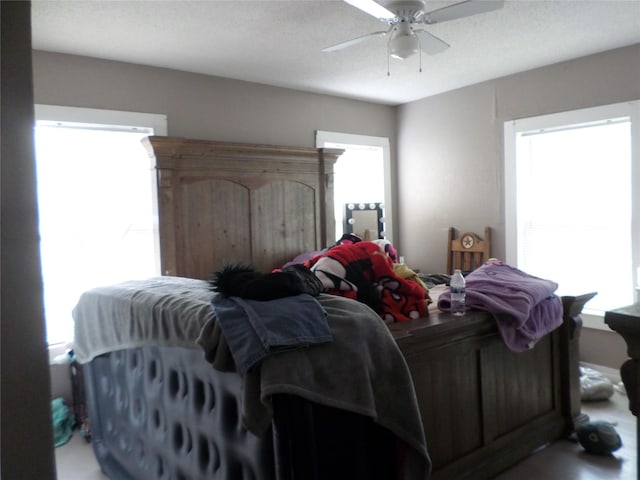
[
  {"x": 483, "y": 407},
  {"x": 226, "y": 202}
]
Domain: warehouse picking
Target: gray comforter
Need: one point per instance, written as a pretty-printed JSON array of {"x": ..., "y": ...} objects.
[{"x": 167, "y": 311}]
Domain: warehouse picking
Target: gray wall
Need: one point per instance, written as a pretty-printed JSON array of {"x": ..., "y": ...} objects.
[
  {"x": 26, "y": 440},
  {"x": 450, "y": 156},
  {"x": 204, "y": 107},
  {"x": 449, "y": 147}
]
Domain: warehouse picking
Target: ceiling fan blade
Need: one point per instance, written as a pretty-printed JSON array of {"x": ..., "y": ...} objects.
[
  {"x": 354, "y": 41},
  {"x": 431, "y": 44},
  {"x": 372, "y": 8},
  {"x": 462, "y": 9}
]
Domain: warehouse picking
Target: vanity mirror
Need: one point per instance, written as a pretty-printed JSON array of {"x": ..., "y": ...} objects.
[{"x": 365, "y": 220}]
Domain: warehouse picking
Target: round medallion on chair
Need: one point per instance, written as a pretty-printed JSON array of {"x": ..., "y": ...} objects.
[{"x": 467, "y": 240}]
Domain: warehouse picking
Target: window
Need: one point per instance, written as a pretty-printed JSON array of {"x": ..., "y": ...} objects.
[
  {"x": 96, "y": 205},
  {"x": 572, "y": 189},
  {"x": 362, "y": 175}
]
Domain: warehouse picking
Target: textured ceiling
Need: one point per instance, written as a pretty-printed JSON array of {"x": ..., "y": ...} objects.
[{"x": 279, "y": 42}]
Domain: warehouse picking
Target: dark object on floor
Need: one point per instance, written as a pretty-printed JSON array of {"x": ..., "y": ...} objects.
[
  {"x": 599, "y": 438},
  {"x": 246, "y": 282},
  {"x": 80, "y": 413}
]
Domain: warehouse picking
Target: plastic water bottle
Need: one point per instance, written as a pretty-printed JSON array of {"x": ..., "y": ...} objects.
[{"x": 457, "y": 285}]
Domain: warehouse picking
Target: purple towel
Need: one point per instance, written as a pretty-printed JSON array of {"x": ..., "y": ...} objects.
[{"x": 524, "y": 307}]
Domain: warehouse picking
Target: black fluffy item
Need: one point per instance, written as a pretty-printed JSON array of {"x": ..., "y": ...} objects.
[{"x": 244, "y": 281}]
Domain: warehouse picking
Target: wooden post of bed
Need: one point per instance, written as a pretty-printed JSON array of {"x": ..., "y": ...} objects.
[
  {"x": 570, "y": 336},
  {"x": 626, "y": 322},
  {"x": 327, "y": 227}
]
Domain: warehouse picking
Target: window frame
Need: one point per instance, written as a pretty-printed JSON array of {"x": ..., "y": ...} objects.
[
  {"x": 629, "y": 109},
  {"x": 108, "y": 120},
  {"x": 323, "y": 137}
]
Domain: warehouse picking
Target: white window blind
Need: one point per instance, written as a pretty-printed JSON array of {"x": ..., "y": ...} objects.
[
  {"x": 96, "y": 206},
  {"x": 571, "y": 198}
]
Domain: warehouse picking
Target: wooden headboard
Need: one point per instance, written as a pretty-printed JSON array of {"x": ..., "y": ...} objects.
[{"x": 227, "y": 202}]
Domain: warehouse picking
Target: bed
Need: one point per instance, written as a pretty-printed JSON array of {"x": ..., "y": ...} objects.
[{"x": 165, "y": 400}]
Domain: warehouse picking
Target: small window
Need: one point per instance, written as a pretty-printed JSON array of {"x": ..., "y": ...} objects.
[{"x": 367, "y": 160}]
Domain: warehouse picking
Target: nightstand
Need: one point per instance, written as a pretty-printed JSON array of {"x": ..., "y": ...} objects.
[{"x": 626, "y": 322}]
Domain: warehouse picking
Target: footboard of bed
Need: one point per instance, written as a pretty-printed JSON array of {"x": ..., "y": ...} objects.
[{"x": 484, "y": 407}]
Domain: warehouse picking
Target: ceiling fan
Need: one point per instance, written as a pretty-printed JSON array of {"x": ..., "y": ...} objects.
[{"x": 403, "y": 15}]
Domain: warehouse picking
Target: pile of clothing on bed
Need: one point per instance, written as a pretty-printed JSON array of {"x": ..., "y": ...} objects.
[
  {"x": 367, "y": 271},
  {"x": 524, "y": 306},
  {"x": 340, "y": 354},
  {"x": 306, "y": 329}
]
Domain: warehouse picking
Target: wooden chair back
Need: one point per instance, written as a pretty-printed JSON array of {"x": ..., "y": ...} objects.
[{"x": 468, "y": 251}]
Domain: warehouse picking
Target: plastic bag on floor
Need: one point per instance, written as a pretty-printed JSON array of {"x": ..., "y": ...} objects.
[{"x": 594, "y": 385}]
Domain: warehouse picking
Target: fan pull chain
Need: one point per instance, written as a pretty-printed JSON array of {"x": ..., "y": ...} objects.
[{"x": 420, "y": 48}]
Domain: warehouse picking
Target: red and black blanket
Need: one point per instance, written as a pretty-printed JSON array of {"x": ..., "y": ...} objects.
[{"x": 364, "y": 271}]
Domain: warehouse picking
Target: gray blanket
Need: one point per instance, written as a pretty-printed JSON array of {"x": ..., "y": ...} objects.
[
  {"x": 167, "y": 311},
  {"x": 362, "y": 370}
]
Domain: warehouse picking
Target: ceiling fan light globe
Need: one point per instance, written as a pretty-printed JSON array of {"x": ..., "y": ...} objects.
[{"x": 403, "y": 46}]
